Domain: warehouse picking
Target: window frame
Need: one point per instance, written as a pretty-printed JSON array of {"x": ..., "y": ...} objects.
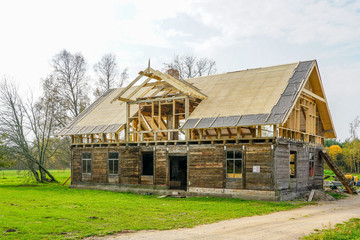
[
  {"x": 113, "y": 163},
  {"x": 86, "y": 160},
  {"x": 234, "y": 159}
]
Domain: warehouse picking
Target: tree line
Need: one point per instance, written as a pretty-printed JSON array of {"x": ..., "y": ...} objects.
[
  {"x": 347, "y": 153},
  {"x": 28, "y": 126}
]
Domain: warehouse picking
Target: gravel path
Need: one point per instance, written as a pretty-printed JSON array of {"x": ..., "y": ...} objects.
[{"x": 280, "y": 225}]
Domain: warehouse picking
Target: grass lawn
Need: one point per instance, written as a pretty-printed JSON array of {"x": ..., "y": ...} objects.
[
  {"x": 29, "y": 210},
  {"x": 347, "y": 230}
]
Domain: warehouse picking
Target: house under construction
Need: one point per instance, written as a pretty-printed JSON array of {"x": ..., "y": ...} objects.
[{"x": 252, "y": 134}]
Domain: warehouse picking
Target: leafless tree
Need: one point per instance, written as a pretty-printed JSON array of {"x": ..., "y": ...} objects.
[
  {"x": 68, "y": 83},
  {"x": 190, "y": 66},
  {"x": 27, "y": 128},
  {"x": 108, "y": 76},
  {"x": 354, "y": 126},
  {"x": 4, "y": 160}
]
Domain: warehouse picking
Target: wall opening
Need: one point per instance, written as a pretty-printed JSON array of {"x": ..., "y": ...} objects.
[
  {"x": 311, "y": 164},
  {"x": 148, "y": 164},
  {"x": 178, "y": 172},
  {"x": 292, "y": 164}
]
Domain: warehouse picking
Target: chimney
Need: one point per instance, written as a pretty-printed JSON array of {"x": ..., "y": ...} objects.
[{"x": 174, "y": 73}]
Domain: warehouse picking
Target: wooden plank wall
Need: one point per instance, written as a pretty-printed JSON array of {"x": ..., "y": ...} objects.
[
  {"x": 302, "y": 182},
  {"x": 282, "y": 166},
  {"x": 258, "y": 155},
  {"x": 302, "y": 168},
  {"x": 319, "y": 170},
  {"x": 161, "y": 169},
  {"x": 99, "y": 165},
  {"x": 76, "y": 175},
  {"x": 129, "y": 165},
  {"x": 206, "y": 166}
]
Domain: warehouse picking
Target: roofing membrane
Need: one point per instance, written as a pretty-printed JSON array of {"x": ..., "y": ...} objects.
[{"x": 260, "y": 96}]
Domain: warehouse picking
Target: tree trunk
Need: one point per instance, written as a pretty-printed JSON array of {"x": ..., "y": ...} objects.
[{"x": 47, "y": 172}]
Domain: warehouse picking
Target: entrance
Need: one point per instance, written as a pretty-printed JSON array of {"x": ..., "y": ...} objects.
[{"x": 178, "y": 172}]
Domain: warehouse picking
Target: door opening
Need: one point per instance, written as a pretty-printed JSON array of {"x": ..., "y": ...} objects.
[{"x": 178, "y": 172}]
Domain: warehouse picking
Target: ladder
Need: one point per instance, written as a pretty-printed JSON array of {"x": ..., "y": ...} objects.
[{"x": 349, "y": 187}]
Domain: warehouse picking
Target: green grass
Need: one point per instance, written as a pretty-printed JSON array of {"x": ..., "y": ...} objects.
[
  {"x": 53, "y": 211},
  {"x": 347, "y": 230}
]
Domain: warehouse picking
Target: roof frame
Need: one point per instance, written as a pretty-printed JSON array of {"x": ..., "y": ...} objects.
[
  {"x": 181, "y": 85},
  {"x": 319, "y": 100}
]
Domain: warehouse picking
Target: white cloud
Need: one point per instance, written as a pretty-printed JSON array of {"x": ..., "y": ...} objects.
[{"x": 294, "y": 21}]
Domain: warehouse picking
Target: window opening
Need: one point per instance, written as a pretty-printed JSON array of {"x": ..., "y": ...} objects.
[
  {"x": 148, "y": 164},
  {"x": 113, "y": 162},
  {"x": 292, "y": 164},
  {"x": 234, "y": 164},
  {"x": 311, "y": 164},
  {"x": 86, "y": 162}
]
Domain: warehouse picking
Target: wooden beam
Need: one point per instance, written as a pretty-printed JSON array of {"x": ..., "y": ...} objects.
[
  {"x": 125, "y": 99},
  {"x": 127, "y": 129},
  {"x": 187, "y": 107},
  {"x": 128, "y": 86},
  {"x": 138, "y": 88},
  {"x": 183, "y": 86},
  {"x": 157, "y": 99},
  {"x": 313, "y": 95}
]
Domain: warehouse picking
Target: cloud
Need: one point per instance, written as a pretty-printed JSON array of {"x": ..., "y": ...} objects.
[{"x": 297, "y": 22}]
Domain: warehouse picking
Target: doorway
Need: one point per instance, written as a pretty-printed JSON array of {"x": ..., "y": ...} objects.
[{"x": 178, "y": 172}]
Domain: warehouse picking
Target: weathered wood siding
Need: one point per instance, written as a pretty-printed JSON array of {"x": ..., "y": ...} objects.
[
  {"x": 303, "y": 182},
  {"x": 99, "y": 165},
  {"x": 161, "y": 166},
  {"x": 206, "y": 166},
  {"x": 258, "y": 155},
  {"x": 76, "y": 175},
  {"x": 130, "y": 165}
]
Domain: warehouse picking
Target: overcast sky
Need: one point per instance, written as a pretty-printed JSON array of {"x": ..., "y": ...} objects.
[{"x": 236, "y": 34}]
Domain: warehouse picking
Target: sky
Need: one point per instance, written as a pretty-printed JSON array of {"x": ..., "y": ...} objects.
[{"x": 237, "y": 34}]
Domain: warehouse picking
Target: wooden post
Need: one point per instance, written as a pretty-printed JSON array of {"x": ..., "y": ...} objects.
[
  {"x": 187, "y": 107},
  {"x": 152, "y": 114},
  {"x": 159, "y": 117},
  {"x": 187, "y": 133},
  {"x": 117, "y": 137},
  {"x": 127, "y": 129},
  {"x": 275, "y": 131},
  {"x": 201, "y": 134},
  {"x": 238, "y": 132},
  {"x": 258, "y": 131}
]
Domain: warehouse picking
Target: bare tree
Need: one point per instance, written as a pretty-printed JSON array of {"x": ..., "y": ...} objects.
[
  {"x": 107, "y": 73},
  {"x": 354, "y": 125},
  {"x": 4, "y": 160},
  {"x": 190, "y": 66},
  {"x": 68, "y": 83},
  {"x": 27, "y": 128}
]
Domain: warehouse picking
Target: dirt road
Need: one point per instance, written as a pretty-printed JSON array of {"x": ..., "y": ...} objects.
[{"x": 280, "y": 225}]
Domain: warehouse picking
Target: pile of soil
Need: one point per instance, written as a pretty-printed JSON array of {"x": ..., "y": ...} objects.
[{"x": 319, "y": 195}]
